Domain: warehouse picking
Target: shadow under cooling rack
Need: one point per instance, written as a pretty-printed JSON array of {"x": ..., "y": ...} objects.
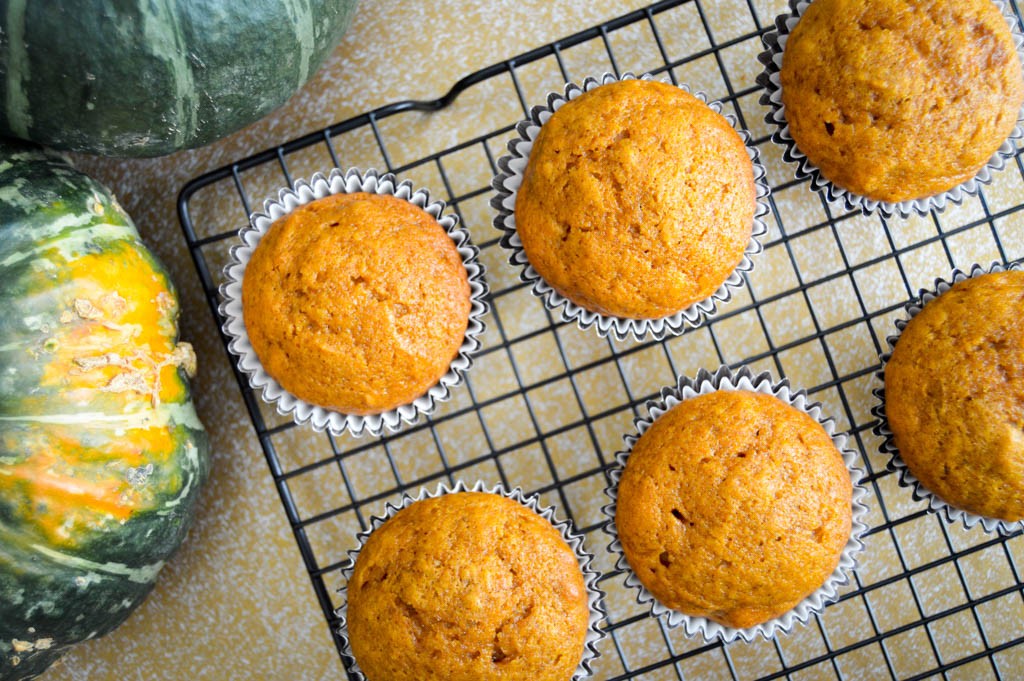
[{"x": 546, "y": 404}]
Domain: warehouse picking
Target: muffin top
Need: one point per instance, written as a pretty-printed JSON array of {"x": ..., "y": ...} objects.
[
  {"x": 464, "y": 587},
  {"x": 954, "y": 395},
  {"x": 897, "y": 100},
  {"x": 637, "y": 200},
  {"x": 734, "y": 506},
  {"x": 356, "y": 302}
]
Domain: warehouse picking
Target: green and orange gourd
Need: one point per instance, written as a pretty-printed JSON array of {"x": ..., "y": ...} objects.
[{"x": 101, "y": 452}]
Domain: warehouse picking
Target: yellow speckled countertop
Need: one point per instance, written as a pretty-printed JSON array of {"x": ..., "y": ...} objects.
[{"x": 236, "y": 603}]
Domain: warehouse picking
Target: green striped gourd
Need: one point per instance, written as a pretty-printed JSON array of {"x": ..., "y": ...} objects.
[
  {"x": 101, "y": 452},
  {"x": 148, "y": 77}
]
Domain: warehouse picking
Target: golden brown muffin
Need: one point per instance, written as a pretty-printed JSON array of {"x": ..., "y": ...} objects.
[
  {"x": 637, "y": 200},
  {"x": 897, "y": 100},
  {"x": 734, "y": 506},
  {"x": 467, "y": 586},
  {"x": 356, "y": 302},
  {"x": 954, "y": 395}
]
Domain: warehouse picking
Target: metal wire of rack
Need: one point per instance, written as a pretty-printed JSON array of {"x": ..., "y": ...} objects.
[{"x": 930, "y": 600}]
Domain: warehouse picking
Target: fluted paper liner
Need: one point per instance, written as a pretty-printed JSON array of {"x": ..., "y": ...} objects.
[
  {"x": 318, "y": 187},
  {"x": 595, "y": 597},
  {"x": 775, "y": 43},
  {"x": 936, "y": 504},
  {"x": 743, "y": 379},
  {"x": 509, "y": 178}
]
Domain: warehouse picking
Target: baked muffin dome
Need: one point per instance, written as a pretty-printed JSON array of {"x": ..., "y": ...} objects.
[
  {"x": 356, "y": 302},
  {"x": 637, "y": 200},
  {"x": 734, "y": 506},
  {"x": 954, "y": 395},
  {"x": 894, "y": 100},
  {"x": 467, "y": 586}
]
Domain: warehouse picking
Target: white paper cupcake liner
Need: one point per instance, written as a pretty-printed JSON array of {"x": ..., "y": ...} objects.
[
  {"x": 936, "y": 504},
  {"x": 775, "y": 43},
  {"x": 595, "y": 596},
  {"x": 743, "y": 379},
  {"x": 509, "y": 178},
  {"x": 305, "y": 192}
]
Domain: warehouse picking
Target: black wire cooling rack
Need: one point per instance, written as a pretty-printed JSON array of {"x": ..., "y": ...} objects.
[{"x": 546, "y": 403}]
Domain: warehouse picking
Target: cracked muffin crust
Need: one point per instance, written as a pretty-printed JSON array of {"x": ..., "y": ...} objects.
[
  {"x": 897, "y": 100},
  {"x": 734, "y": 506},
  {"x": 356, "y": 302},
  {"x": 954, "y": 395},
  {"x": 467, "y": 586},
  {"x": 637, "y": 200}
]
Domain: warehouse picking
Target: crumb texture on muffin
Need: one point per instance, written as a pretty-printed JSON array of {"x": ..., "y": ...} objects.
[
  {"x": 464, "y": 587},
  {"x": 954, "y": 395},
  {"x": 356, "y": 302},
  {"x": 734, "y": 506},
  {"x": 897, "y": 100},
  {"x": 637, "y": 200}
]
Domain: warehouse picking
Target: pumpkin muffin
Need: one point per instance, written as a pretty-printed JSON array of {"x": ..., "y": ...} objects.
[
  {"x": 734, "y": 506},
  {"x": 356, "y": 302},
  {"x": 954, "y": 395},
  {"x": 637, "y": 200},
  {"x": 467, "y": 586},
  {"x": 896, "y": 100}
]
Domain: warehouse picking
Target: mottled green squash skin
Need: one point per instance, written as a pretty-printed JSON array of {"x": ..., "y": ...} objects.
[
  {"x": 102, "y": 455},
  {"x": 148, "y": 77}
]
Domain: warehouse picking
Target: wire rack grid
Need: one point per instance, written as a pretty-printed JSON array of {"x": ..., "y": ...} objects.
[{"x": 546, "y": 404}]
